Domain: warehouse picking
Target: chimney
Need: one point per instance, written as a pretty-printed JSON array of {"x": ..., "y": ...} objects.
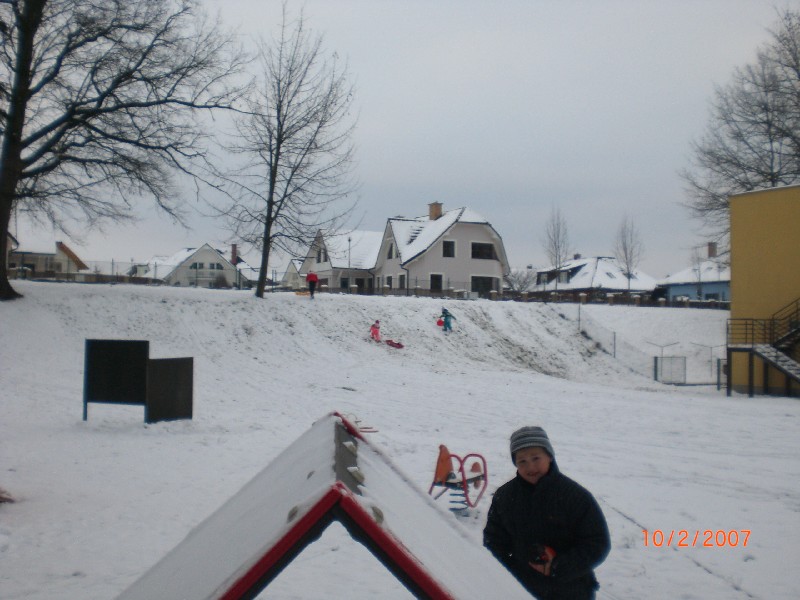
[
  {"x": 434, "y": 210},
  {"x": 234, "y": 255},
  {"x": 712, "y": 249}
]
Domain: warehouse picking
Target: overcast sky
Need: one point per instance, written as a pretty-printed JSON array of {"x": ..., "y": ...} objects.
[{"x": 510, "y": 108}]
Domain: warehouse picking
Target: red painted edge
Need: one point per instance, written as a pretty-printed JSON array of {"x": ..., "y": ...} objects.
[
  {"x": 340, "y": 494},
  {"x": 393, "y": 548},
  {"x": 349, "y": 427},
  {"x": 291, "y": 537}
]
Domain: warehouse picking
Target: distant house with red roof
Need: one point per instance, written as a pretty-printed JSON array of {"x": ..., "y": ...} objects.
[{"x": 63, "y": 263}]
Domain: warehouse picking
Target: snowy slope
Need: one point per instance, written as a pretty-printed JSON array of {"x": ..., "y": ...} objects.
[{"x": 100, "y": 501}]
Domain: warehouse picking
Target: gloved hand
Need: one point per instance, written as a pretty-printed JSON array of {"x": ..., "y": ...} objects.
[{"x": 541, "y": 558}]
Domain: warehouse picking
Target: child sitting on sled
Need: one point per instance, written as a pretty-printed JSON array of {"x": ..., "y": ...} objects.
[{"x": 375, "y": 331}]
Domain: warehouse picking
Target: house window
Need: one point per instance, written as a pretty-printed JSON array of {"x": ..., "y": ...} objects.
[
  {"x": 483, "y": 251},
  {"x": 563, "y": 277},
  {"x": 325, "y": 255},
  {"x": 449, "y": 249},
  {"x": 345, "y": 283},
  {"x": 390, "y": 252},
  {"x": 484, "y": 285},
  {"x": 402, "y": 282},
  {"x": 196, "y": 266},
  {"x": 319, "y": 255},
  {"x": 436, "y": 283},
  {"x": 389, "y": 281}
]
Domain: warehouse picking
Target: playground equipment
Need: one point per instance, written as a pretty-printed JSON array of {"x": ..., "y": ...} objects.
[{"x": 464, "y": 478}]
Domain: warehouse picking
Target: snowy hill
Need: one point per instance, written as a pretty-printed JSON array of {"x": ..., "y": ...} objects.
[{"x": 98, "y": 502}]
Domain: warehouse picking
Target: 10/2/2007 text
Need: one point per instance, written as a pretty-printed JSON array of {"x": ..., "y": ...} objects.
[{"x": 707, "y": 538}]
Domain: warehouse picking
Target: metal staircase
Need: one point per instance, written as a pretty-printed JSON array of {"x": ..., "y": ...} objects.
[{"x": 772, "y": 340}]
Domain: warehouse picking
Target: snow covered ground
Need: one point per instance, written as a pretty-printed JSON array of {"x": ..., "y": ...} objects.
[{"x": 99, "y": 502}]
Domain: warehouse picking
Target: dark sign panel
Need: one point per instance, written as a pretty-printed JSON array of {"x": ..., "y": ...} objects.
[
  {"x": 115, "y": 371},
  {"x": 121, "y": 372},
  {"x": 169, "y": 389}
]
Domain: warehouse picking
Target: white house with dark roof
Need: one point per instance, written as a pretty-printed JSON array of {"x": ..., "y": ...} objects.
[
  {"x": 291, "y": 279},
  {"x": 344, "y": 260},
  {"x": 457, "y": 251},
  {"x": 195, "y": 267},
  {"x": 593, "y": 275}
]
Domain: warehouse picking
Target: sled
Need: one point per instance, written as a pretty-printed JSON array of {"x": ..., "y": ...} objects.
[
  {"x": 394, "y": 344},
  {"x": 465, "y": 478},
  {"x": 305, "y": 293}
]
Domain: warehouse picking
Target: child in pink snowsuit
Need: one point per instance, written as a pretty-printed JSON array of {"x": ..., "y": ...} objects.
[{"x": 375, "y": 331}]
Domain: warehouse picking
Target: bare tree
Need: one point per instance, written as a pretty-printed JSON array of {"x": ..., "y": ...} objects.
[
  {"x": 628, "y": 248},
  {"x": 296, "y": 140},
  {"x": 98, "y": 104},
  {"x": 520, "y": 280},
  {"x": 697, "y": 269},
  {"x": 752, "y": 139},
  {"x": 556, "y": 241}
]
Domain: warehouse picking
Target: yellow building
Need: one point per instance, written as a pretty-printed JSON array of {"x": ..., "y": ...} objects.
[{"x": 764, "y": 330}]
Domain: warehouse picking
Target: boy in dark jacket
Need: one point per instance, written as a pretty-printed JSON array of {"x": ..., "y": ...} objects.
[{"x": 544, "y": 527}]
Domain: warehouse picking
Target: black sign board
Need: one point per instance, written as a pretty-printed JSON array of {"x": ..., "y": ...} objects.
[
  {"x": 115, "y": 372},
  {"x": 169, "y": 389},
  {"x": 121, "y": 372}
]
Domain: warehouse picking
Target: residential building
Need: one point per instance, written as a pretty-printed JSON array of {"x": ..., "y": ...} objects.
[
  {"x": 455, "y": 253},
  {"x": 764, "y": 330},
  {"x": 344, "y": 261},
  {"x": 291, "y": 279},
  {"x": 197, "y": 267},
  {"x": 595, "y": 276},
  {"x": 63, "y": 263},
  {"x": 707, "y": 279}
]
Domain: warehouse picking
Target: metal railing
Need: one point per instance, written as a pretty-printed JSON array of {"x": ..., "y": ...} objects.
[{"x": 783, "y": 325}]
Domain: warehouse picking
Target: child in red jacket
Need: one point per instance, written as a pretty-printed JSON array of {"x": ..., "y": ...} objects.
[{"x": 375, "y": 331}]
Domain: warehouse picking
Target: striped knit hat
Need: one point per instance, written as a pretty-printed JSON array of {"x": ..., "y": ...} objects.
[{"x": 530, "y": 437}]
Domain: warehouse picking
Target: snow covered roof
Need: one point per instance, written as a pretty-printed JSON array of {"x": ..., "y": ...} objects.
[
  {"x": 360, "y": 252},
  {"x": 248, "y": 272},
  {"x": 707, "y": 271},
  {"x": 600, "y": 272},
  {"x": 174, "y": 261},
  {"x": 329, "y": 473},
  {"x": 415, "y": 235}
]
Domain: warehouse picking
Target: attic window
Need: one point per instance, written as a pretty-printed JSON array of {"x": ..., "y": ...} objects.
[
  {"x": 390, "y": 252},
  {"x": 611, "y": 275}
]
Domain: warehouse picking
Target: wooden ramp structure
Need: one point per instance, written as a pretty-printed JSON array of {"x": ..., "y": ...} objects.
[{"x": 330, "y": 473}]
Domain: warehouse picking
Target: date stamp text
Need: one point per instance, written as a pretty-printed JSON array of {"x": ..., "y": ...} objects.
[{"x": 706, "y": 538}]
